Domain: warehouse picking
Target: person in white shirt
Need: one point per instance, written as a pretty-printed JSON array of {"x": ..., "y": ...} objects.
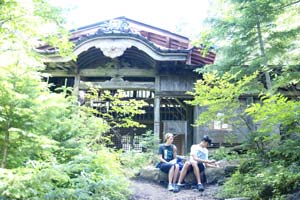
[{"x": 198, "y": 161}]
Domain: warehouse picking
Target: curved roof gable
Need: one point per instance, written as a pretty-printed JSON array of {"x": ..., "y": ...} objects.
[
  {"x": 114, "y": 45},
  {"x": 160, "y": 44}
]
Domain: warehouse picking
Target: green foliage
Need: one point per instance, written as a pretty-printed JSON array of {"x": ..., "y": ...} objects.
[
  {"x": 51, "y": 147},
  {"x": 287, "y": 152},
  {"x": 134, "y": 161},
  {"x": 21, "y": 23},
  {"x": 271, "y": 167},
  {"x": 120, "y": 112},
  {"x": 19, "y": 87},
  {"x": 60, "y": 119},
  {"x": 255, "y": 36},
  {"x": 274, "y": 112},
  {"x": 150, "y": 142},
  {"x": 54, "y": 128},
  {"x": 220, "y": 94},
  {"x": 88, "y": 176},
  {"x": 223, "y": 153},
  {"x": 257, "y": 180}
]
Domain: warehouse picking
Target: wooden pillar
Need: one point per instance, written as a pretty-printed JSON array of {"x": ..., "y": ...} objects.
[
  {"x": 156, "y": 116},
  {"x": 197, "y": 129},
  {"x": 76, "y": 85},
  {"x": 186, "y": 150},
  {"x": 76, "y": 81},
  {"x": 189, "y": 128},
  {"x": 157, "y": 106}
]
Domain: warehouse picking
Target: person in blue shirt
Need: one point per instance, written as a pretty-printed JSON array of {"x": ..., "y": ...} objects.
[{"x": 167, "y": 156}]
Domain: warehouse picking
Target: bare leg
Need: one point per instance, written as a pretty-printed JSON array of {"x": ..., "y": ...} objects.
[
  {"x": 176, "y": 172},
  {"x": 196, "y": 172},
  {"x": 171, "y": 174},
  {"x": 184, "y": 171}
]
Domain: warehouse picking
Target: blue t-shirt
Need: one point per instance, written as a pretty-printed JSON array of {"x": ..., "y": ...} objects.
[{"x": 166, "y": 151}]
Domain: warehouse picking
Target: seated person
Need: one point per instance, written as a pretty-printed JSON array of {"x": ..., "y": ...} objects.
[
  {"x": 198, "y": 161},
  {"x": 167, "y": 155}
]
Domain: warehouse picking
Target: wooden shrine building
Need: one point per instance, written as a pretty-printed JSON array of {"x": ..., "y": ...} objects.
[{"x": 149, "y": 63}]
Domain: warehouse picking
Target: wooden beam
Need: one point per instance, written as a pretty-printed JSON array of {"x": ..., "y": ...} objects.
[
  {"x": 73, "y": 64},
  {"x": 179, "y": 94},
  {"x": 123, "y": 72},
  {"x": 61, "y": 66},
  {"x": 179, "y": 111},
  {"x": 56, "y": 58},
  {"x": 60, "y": 73},
  {"x": 118, "y": 85},
  {"x": 181, "y": 104}
]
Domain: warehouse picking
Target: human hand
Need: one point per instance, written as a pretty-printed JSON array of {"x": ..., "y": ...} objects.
[{"x": 172, "y": 161}]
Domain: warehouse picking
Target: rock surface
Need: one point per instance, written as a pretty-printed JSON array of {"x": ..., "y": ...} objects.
[
  {"x": 213, "y": 175},
  {"x": 294, "y": 196}
]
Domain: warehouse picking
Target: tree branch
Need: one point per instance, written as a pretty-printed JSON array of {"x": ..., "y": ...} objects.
[{"x": 287, "y": 5}]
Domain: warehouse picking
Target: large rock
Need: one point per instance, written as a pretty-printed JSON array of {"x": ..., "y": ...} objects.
[
  {"x": 150, "y": 173},
  {"x": 213, "y": 175},
  {"x": 294, "y": 196}
]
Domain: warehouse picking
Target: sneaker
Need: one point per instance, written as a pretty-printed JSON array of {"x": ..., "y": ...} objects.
[
  {"x": 200, "y": 187},
  {"x": 180, "y": 185},
  {"x": 176, "y": 188},
  {"x": 170, "y": 187}
]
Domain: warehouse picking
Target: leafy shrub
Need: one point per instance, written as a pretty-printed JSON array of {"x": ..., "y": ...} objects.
[
  {"x": 134, "y": 161},
  {"x": 150, "y": 142},
  {"x": 89, "y": 176},
  {"x": 223, "y": 153},
  {"x": 258, "y": 180}
]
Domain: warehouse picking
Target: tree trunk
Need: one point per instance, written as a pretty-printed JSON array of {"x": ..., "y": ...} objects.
[
  {"x": 5, "y": 149},
  {"x": 249, "y": 119},
  {"x": 263, "y": 54}
]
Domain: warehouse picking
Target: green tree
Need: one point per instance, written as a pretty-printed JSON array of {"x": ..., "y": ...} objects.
[
  {"x": 21, "y": 24},
  {"x": 221, "y": 94},
  {"x": 47, "y": 141},
  {"x": 259, "y": 35},
  {"x": 117, "y": 110},
  {"x": 256, "y": 35}
]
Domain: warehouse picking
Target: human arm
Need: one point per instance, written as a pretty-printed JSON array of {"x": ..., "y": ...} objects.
[
  {"x": 206, "y": 161},
  {"x": 161, "y": 159},
  {"x": 160, "y": 154},
  {"x": 212, "y": 165},
  {"x": 200, "y": 155},
  {"x": 174, "y": 160}
]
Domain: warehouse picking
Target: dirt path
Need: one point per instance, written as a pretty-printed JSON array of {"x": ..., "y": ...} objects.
[{"x": 146, "y": 190}]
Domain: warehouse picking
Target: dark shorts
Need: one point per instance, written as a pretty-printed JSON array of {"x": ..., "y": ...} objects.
[
  {"x": 165, "y": 167},
  {"x": 200, "y": 166},
  {"x": 202, "y": 171}
]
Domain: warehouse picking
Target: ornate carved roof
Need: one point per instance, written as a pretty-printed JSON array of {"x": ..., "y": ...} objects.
[{"x": 159, "y": 43}]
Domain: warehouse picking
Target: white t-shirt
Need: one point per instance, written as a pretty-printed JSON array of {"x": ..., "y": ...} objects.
[{"x": 199, "y": 151}]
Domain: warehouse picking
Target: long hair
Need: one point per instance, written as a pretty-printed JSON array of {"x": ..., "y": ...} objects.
[{"x": 168, "y": 135}]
